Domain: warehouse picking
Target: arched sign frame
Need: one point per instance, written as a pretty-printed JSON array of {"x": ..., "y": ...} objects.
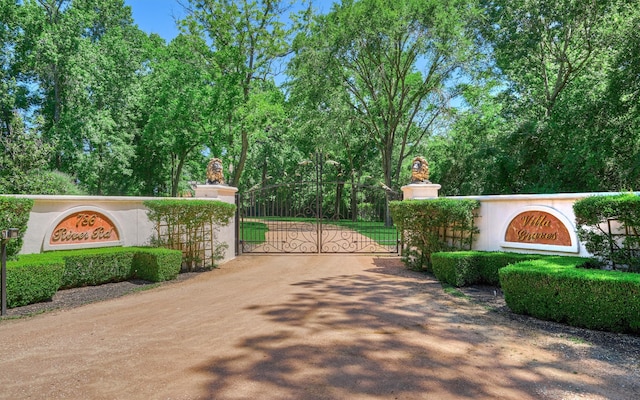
[
  {"x": 47, "y": 246},
  {"x": 573, "y": 248}
]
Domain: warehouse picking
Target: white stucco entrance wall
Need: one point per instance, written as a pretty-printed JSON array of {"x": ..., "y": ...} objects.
[
  {"x": 128, "y": 214},
  {"x": 496, "y": 212}
]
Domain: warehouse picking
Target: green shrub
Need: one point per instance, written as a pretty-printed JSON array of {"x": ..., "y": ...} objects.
[
  {"x": 96, "y": 266},
  {"x": 430, "y": 226},
  {"x": 554, "y": 289},
  {"x": 32, "y": 279},
  {"x": 36, "y": 277},
  {"x": 592, "y": 214},
  {"x": 156, "y": 265},
  {"x": 14, "y": 213},
  {"x": 464, "y": 268}
]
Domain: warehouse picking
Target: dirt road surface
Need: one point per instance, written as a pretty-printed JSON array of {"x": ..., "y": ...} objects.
[{"x": 299, "y": 327}]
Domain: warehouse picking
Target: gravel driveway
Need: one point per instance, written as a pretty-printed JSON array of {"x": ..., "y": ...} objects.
[{"x": 309, "y": 327}]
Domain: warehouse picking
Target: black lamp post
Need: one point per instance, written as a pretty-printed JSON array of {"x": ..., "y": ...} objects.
[{"x": 6, "y": 235}]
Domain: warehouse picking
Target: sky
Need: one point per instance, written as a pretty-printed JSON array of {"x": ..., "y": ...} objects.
[{"x": 159, "y": 16}]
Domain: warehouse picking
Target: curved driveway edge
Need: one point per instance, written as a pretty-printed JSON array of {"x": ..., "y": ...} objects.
[{"x": 298, "y": 327}]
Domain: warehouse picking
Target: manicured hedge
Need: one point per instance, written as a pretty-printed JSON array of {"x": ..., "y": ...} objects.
[
  {"x": 36, "y": 277},
  {"x": 156, "y": 264},
  {"x": 32, "y": 280},
  {"x": 464, "y": 268},
  {"x": 554, "y": 289},
  {"x": 96, "y": 266}
]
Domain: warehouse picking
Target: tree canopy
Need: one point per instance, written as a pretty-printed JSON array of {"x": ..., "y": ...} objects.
[{"x": 500, "y": 96}]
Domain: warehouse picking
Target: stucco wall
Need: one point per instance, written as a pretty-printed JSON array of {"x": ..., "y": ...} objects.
[
  {"x": 128, "y": 214},
  {"x": 496, "y": 213}
]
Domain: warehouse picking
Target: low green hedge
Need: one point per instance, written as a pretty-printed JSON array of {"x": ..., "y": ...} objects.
[
  {"x": 464, "y": 268},
  {"x": 554, "y": 289},
  {"x": 36, "y": 277},
  {"x": 157, "y": 264},
  {"x": 96, "y": 266},
  {"x": 32, "y": 280}
]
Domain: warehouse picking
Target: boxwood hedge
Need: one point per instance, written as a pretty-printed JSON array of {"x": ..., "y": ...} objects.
[
  {"x": 554, "y": 289},
  {"x": 464, "y": 268},
  {"x": 36, "y": 277}
]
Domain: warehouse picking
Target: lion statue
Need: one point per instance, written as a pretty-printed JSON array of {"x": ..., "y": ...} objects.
[
  {"x": 214, "y": 172},
  {"x": 420, "y": 170}
]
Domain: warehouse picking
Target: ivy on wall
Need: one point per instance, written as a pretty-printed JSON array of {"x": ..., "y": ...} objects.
[
  {"x": 609, "y": 226},
  {"x": 191, "y": 226},
  {"x": 429, "y": 226}
]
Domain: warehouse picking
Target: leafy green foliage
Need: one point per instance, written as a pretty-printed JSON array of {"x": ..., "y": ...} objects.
[
  {"x": 620, "y": 248},
  {"x": 36, "y": 277},
  {"x": 188, "y": 225},
  {"x": 388, "y": 63},
  {"x": 33, "y": 279},
  {"x": 465, "y": 268},
  {"x": 554, "y": 289},
  {"x": 430, "y": 226},
  {"x": 156, "y": 265},
  {"x": 14, "y": 213},
  {"x": 95, "y": 267}
]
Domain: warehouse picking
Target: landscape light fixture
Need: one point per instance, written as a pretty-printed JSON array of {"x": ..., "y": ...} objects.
[{"x": 5, "y": 236}]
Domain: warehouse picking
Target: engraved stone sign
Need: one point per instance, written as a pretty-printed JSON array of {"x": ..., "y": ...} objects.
[
  {"x": 537, "y": 227},
  {"x": 540, "y": 228},
  {"x": 84, "y": 227}
]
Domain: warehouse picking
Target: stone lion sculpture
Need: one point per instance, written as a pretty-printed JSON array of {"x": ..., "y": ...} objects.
[
  {"x": 214, "y": 172},
  {"x": 419, "y": 170}
]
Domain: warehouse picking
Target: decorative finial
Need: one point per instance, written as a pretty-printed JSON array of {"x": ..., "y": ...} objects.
[
  {"x": 420, "y": 170},
  {"x": 214, "y": 172}
]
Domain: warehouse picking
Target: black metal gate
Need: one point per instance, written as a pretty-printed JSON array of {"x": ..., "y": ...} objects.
[{"x": 316, "y": 217}]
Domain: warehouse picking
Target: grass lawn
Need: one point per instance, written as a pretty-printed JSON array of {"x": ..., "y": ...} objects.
[{"x": 254, "y": 232}]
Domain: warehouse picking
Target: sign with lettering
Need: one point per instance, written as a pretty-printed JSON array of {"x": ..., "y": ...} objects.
[
  {"x": 540, "y": 228},
  {"x": 84, "y": 227}
]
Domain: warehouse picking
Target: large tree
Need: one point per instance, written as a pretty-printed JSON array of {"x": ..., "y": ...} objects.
[
  {"x": 247, "y": 38},
  {"x": 84, "y": 57},
  {"x": 394, "y": 61},
  {"x": 181, "y": 98}
]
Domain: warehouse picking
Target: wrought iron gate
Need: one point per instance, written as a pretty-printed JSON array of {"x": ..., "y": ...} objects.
[{"x": 316, "y": 217}]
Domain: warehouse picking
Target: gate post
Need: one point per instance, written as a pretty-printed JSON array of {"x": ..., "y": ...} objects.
[{"x": 420, "y": 191}]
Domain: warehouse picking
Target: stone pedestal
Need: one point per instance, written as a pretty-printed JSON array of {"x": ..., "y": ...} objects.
[
  {"x": 220, "y": 192},
  {"x": 420, "y": 191}
]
